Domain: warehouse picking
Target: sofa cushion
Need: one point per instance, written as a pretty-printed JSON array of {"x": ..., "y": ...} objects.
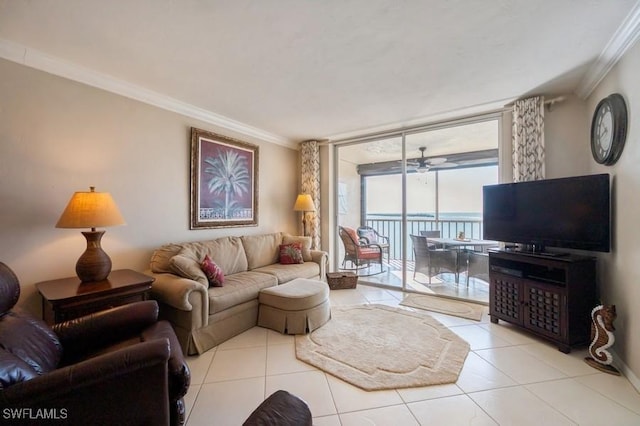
[
  {"x": 238, "y": 288},
  {"x": 227, "y": 252},
  {"x": 286, "y": 273},
  {"x": 304, "y": 241},
  {"x": 262, "y": 249},
  {"x": 161, "y": 257},
  {"x": 187, "y": 267}
]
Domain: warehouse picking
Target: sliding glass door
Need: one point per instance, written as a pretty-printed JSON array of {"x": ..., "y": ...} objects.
[
  {"x": 370, "y": 209},
  {"x": 407, "y": 183}
]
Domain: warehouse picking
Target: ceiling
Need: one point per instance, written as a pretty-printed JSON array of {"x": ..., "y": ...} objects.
[{"x": 291, "y": 70}]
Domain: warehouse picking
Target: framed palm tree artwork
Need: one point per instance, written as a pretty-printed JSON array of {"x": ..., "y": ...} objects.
[{"x": 224, "y": 181}]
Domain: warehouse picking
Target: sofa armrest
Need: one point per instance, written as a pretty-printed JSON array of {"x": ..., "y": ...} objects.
[
  {"x": 128, "y": 386},
  {"x": 177, "y": 291},
  {"x": 180, "y": 293},
  {"x": 322, "y": 259}
]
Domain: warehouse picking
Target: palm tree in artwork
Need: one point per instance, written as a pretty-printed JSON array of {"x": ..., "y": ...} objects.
[{"x": 229, "y": 177}]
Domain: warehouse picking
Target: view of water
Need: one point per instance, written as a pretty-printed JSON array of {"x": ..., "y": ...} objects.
[
  {"x": 450, "y": 224},
  {"x": 429, "y": 216}
]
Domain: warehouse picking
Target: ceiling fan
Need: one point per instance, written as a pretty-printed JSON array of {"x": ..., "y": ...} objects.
[{"x": 422, "y": 164}]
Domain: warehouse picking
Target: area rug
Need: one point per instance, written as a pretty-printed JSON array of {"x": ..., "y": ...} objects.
[
  {"x": 443, "y": 305},
  {"x": 381, "y": 347}
]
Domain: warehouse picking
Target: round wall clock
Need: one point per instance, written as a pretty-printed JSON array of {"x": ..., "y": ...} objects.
[{"x": 609, "y": 129}]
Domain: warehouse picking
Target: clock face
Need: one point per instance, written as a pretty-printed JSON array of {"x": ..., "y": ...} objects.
[
  {"x": 604, "y": 131},
  {"x": 608, "y": 129}
]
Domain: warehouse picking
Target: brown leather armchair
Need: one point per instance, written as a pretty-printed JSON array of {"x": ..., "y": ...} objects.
[{"x": 121, "y": 366}]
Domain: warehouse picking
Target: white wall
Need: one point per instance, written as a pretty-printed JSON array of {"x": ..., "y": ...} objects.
[
  {"x": 58, "y": 136},
  {"x": 619, "y": 274},
  {"x": 567, "y": 151}
]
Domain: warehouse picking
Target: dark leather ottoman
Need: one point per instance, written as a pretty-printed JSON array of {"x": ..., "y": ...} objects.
[{"x": 282, "y": 409}]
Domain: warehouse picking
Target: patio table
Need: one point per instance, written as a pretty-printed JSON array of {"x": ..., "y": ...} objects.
[{"x": 478, "y": 245}]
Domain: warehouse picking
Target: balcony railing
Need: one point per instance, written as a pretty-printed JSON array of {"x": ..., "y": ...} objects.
[{"x": 449, "y": 228}]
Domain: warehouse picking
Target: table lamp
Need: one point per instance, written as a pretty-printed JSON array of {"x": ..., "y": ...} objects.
[
  {"x": 304, "y": 203},
  {"x": 91, "y": 210}
]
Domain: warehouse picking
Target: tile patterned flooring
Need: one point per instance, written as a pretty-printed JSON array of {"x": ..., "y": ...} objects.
[{"x": 509, "y": 378}]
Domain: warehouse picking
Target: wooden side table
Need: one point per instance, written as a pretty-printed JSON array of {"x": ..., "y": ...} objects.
[{"x": 68, "y": 298}]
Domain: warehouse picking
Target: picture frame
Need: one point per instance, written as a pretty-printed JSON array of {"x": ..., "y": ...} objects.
[{"x": 224, "y": 181}]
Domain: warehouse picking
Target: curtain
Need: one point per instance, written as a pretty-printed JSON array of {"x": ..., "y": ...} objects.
[
  {"x": 528, "y": 139},
  {"x": 310, "y": 184}
]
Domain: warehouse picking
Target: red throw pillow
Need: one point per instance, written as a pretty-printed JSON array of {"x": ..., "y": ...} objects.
[
  {"x": 212, "y": 271},
  {"x": 291, "y": 253}
]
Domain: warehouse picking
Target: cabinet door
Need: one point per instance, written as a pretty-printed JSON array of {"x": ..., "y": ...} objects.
[
  {"x": 505, "y": 296},
  {"x": 545, "y": 309}
]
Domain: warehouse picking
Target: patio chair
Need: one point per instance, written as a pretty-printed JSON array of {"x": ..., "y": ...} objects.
[
  {"x": 358, "y": 252},
  {"x": 477, "y": 265},
  {"x": 431, "y": 234},
  {"x": 432, "y": 261},
  {"x": 371, "y": 236}
]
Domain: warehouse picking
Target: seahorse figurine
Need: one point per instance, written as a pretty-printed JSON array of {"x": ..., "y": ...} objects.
[{"x": 602, "y": 338}]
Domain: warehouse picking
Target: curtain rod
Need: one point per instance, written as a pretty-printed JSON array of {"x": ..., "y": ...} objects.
[{"x": 554, "y": 101}]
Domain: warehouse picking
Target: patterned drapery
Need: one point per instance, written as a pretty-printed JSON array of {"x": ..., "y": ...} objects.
[
  {"x": 528, "y": 139},
  {"x": 310, "y": 184}
]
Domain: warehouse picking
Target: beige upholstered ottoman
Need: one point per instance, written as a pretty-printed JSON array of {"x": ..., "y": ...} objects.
[{"x": 297, "y": 307}]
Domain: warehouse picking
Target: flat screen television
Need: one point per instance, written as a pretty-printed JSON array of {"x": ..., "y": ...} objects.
[{"x": 571, "y": 212}]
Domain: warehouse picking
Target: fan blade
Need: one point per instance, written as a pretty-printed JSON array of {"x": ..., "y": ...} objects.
[
  {"x": 437, "y": 161},
  {"x": 445, "y": 165}
]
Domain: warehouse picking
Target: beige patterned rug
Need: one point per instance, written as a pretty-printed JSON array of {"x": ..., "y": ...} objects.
[
  {"x": 443, "y": 305},
  {"x": 380, "y": 347}
]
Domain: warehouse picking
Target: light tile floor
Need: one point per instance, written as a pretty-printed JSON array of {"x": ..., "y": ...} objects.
[{"x": 509, "y": 378}]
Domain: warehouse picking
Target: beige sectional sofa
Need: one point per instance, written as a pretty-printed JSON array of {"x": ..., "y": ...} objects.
[{"x": 204, "y": 316}]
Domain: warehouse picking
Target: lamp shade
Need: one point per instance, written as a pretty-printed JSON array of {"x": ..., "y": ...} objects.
[
  {"x": 304, "y": 203},
  {"x": 90, "y": 210}
]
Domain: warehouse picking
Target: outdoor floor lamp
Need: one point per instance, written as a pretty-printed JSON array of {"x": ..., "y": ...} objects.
[
  {"x": 91, "y": 210},
  {"x": 304, "y": 203}
]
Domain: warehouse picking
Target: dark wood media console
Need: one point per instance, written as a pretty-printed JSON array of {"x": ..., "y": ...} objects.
[{"x": 549, "y": 296}]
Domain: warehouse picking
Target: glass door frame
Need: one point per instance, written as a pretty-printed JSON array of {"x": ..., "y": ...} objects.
[{"x": 403, "y": 133}]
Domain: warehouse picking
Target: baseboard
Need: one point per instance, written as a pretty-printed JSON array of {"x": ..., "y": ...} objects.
[{"x": 624, "y": 368}]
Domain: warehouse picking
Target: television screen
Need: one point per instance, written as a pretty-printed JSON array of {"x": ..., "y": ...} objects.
[{"x": 569, "y": 212}]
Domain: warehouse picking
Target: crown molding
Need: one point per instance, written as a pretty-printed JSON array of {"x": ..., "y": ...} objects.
[
  {"x": 626, "y": 35},
  {"x": 35, "y": 59}
]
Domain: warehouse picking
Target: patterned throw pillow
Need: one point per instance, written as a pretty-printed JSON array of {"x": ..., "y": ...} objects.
[
  {"x": 369, "y": 235},
  {"x": 291, "y": 253},
  {"x": 212, "y": 271},
  {"x": 305, "y": 243}
]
